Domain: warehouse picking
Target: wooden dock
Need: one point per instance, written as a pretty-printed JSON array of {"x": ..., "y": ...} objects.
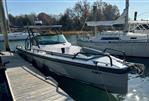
[{"x": 27, "y": 84}]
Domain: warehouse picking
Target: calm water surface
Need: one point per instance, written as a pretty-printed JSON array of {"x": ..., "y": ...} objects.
[{"x": 138, "y": 86}]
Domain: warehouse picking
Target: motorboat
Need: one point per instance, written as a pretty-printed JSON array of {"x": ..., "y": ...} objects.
[
  {"x": 133, "y": 41},
  {"x": 94, "y": 67},
  {"x": 14, "y": 36}
]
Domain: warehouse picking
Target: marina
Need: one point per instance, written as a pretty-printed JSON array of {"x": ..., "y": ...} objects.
[{"x": 52, "y": 54}]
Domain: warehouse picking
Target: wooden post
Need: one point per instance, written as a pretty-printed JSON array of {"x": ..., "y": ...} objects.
[
  {"x": 95, "y": 14},
  {"x": 126, "y": 17},
  {"x": 3, "y": 26}
]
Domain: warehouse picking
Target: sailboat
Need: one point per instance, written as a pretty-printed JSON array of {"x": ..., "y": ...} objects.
[{"x": 132, "y": 43}]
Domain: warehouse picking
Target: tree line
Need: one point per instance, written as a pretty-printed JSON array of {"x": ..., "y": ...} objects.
[{"x": 73, "y": 18}]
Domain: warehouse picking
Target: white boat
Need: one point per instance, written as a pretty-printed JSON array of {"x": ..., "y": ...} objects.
[
  {"x": 15, "y": 36},
  {"x": 136, "y": 45},
  {"x": 133, "y": 43},
  {"x": 91, "y": 66}
]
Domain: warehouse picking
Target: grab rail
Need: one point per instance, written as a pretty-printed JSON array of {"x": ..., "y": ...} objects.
[
  {"x": 124, "y": 55},
  {"x": 104, "y": 54}
]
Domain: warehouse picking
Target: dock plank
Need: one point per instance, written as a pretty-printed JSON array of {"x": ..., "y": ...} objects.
[{"x": 26, "y": 83}]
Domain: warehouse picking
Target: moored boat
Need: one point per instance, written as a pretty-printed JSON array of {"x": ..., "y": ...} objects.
[
  {"x": 134, "y": 42},
  {"x": 88, "y": 65},
  {"x": 14, "y": 36}
]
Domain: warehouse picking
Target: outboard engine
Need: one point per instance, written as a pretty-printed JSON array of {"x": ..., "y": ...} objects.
[{"x": 136, "y": 68}]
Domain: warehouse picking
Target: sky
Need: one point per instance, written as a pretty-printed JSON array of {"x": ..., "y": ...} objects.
[{"x": 18, "y": 7}]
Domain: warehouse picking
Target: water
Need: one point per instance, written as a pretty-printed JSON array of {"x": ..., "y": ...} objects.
[
  {"x": 12, "y": 45},
  {"x": 138, "y": 86}
]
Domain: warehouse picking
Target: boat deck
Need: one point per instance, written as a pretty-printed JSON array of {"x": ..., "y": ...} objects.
[{"x": 27, "y": 84}]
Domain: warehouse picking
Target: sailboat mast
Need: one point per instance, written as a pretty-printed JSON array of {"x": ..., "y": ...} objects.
[
  {"x": 95, "y": 14},
  {"x": 3, "y": 26},
  {"x": 126, "y": 16}
]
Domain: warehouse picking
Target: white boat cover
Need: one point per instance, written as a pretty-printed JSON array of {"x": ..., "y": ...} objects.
[{"x": 120, "y": 20}]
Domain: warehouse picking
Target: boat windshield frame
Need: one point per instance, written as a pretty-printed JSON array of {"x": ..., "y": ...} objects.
[
  {"x": 41, "y": 30},
  {"x": 49, "y": 39}
]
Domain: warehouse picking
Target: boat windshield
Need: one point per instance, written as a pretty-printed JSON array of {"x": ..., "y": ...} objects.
[{"x": 50, "y": 39}]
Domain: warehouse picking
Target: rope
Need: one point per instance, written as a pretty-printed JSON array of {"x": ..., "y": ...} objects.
[
  {"x": 100, "y": 76},
  {"x": 106, "y": 89},
  {"x": 136, "y": 68},
  {"x": 84, "y": 24},
  {"x": 82, "y": 27}
]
